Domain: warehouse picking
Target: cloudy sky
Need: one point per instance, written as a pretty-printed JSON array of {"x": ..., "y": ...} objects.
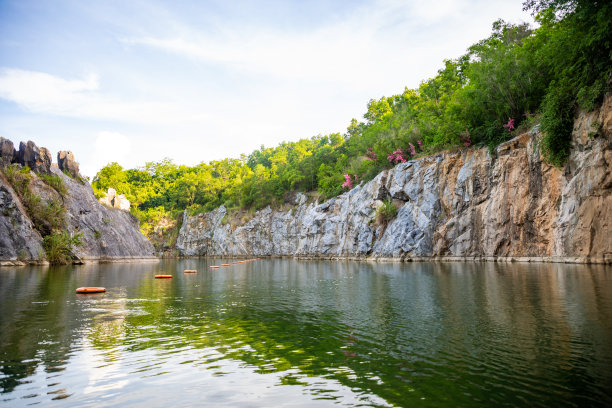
[{"x": 135, "y": 81}]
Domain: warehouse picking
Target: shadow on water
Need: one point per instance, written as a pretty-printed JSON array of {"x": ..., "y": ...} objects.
[{"x": 426, "y": 334}]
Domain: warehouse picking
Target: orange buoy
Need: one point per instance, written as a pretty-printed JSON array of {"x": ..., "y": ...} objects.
[
  {"x": 240, "y": 262},
  {"x": 214, "y": 267},
  {"x": 91, "y": 290},
  {"x": 224, "y": 264},
  {"x": 162, "y": 276},
  {"x": 190, "y": 271}
]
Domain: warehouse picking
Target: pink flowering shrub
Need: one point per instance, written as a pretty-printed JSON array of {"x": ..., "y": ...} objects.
[
  {"x": 371, "y": 155},
  {"x": 465, "y": 138},
  {"x": 420, "y": 144},
  {"x": 412, "y": 150},
  {"x": 509, "y": 125},
  {"x": 397, "y": 156},
  {"x": 348, "y": 182}
]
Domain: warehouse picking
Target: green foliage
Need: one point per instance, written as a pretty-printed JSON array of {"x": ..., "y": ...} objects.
[
  {"x": 557, "y": 122},
  {"x": 578, "y": 55},
  {"x": 58, "y": 247}
]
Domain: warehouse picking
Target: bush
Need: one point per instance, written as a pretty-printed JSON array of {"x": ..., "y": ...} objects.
[
  {"x": 58, "y": 247},
  {"x": 385, "y": 213},
  {"x": 557, "y": 123}
]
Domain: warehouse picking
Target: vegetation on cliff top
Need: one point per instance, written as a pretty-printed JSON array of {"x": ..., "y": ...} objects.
[{"x": 505, "y": 82}]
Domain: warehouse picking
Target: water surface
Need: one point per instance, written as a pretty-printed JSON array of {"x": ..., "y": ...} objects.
[{"x": 305, "y": 333}]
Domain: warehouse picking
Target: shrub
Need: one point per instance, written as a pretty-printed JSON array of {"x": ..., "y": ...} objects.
[
  {"x": 58, "y": 247},
  {"x": 557, "y": 123},
  {"x": 385, "y": 213}
]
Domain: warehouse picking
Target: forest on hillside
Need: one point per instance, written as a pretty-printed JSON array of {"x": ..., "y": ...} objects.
[{"x": 517, "y": 77}]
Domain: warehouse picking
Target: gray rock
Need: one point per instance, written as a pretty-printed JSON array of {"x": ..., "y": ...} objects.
[
  {"x": 7, "y": 152},
  {"x": 30, "y": 155},
  {"x": 67, "y": 163},
  {"x": 19, "y": 241}
]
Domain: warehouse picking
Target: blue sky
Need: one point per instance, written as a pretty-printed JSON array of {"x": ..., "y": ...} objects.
[{"x": 137, "y": 81}]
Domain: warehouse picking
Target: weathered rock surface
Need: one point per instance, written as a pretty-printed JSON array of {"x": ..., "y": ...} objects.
[
  {"x": 67, "y": 163},
  {"x": 465, "y": 204},
  {"x": 7, "y": 152},
  {"x": 18, "y": 238},
  {"x": 38, "y": 159},
  {"x": 107, "y": 233}
]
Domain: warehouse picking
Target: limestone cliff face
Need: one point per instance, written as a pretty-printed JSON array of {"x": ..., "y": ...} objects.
[
  {"x": 466, "y": 204},
  {"x": 107, "y": 233}
]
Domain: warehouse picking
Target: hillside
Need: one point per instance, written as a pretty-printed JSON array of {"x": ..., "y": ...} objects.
[{"x": 48, "y": 212}]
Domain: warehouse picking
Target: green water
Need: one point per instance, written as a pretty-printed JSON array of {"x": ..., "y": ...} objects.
[{"x": 276, "y": 333}]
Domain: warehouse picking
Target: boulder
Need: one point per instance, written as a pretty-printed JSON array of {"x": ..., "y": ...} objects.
[
  {"x": 7, "y": 152},
  {"x": 30, "y": 155},
  {"x": 67, "y": 164},
  {"x": 111, "y": 199},
  {"x": 122, "y": 202}
]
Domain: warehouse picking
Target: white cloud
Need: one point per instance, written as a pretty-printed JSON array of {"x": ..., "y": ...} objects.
[
  {"x": 108, "y": 147},
  {"x": 40, "y": 92},
  {"x": 379, "y": 47}
]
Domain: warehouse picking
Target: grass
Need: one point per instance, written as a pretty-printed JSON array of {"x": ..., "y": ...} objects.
[
  {"x": 54, "y": 182},
  {"x": 58, "y": 247},
  {"x": 385, "y": 213}
]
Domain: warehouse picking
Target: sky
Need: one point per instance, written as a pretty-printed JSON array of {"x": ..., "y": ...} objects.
[{"x": 136, "y": 81}]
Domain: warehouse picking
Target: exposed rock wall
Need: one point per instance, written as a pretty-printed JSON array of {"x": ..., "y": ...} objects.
[
  {"x": 466, "y": 204},
  {"x": 19, "y": 240},
  {"x": 107, "y": 233}
]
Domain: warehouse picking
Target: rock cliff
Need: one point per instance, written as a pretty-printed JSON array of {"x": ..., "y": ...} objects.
[
  {"x": 468, "y": 204},
  {"x": 106, "y": 233}
]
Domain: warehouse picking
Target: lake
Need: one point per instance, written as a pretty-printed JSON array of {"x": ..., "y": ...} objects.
[{"x": 287, "y": 333}]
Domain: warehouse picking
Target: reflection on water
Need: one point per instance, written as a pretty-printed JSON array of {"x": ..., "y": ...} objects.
[{"x": 296, "y": 333}]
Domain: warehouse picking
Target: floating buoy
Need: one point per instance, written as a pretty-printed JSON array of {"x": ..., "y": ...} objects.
[
  {"x": 190, "y": 271},
  {"x": 224, "y": 264},
  {"x": 214, "y": 267},
  {"x": 240, "y": 262},
  {"x": 91, "y": 290},
  {"x": 162, "y": 276}
]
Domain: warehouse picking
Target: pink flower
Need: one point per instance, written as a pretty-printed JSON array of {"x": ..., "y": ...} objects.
[
  {"x": 371, "y": 155},
  {"x": 348, "y": 183},
  {"x": 412, "y": 151},
  {"x": 397, "y": 156},
  {"x": 509, "y": 125},
  {"x": 465, "y": 138},
  {"x": 420, "y": 144}
]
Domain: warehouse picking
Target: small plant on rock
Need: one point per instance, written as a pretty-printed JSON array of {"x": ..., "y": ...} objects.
[
  {"x": 385, "y": 213},
  {"x": 58, "y": 247}
]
